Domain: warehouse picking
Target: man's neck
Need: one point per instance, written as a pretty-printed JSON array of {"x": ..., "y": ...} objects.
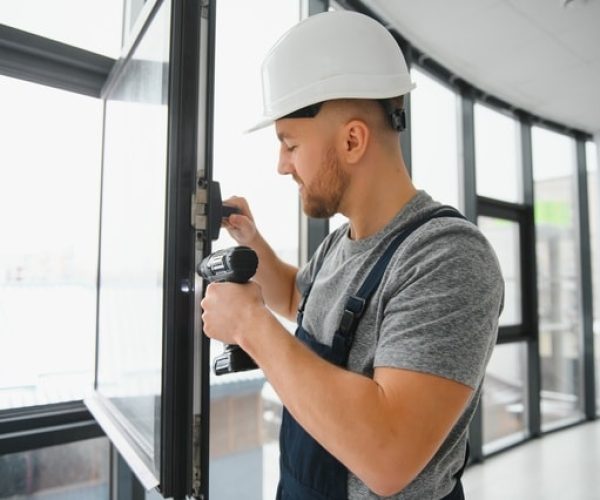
[{"x": 375, "y": 201}]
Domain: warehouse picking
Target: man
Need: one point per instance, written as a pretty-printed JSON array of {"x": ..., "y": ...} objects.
[{"x": 398, "y": 309}]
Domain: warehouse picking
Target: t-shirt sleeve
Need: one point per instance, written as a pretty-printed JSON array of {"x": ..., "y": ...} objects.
[{"x": 444, "y": 298}]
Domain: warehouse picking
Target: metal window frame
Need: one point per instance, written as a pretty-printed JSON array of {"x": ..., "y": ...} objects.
[
  {"x": 200, "y": 481},
  {"x": 36, "y": 59},
  {"x": 534, "y": 373},
  {"x": 585, "y": 272},
  {"x": 522, "y": 216},
  {"x": 30, "y": 428},
  {"x": 178, "y": 348}
]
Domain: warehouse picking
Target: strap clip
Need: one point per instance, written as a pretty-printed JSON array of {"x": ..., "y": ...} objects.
[{"x": 355, "y": 307}]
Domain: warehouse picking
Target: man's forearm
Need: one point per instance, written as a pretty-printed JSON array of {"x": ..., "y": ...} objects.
[{"x": 277, "y": 280}]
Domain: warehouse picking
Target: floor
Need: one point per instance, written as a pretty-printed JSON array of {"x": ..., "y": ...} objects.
[{"x": 564, "y": 465}]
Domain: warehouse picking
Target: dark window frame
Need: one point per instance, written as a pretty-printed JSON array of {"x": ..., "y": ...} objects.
[
  {"x": 30, "y": 428},
  {"x": 36, "y": 59}
]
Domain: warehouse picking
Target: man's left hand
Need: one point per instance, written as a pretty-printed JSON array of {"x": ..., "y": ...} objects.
[{"x": 230, "y": 310}]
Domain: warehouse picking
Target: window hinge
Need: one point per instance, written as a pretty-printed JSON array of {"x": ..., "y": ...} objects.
[{"x": 199, "y": 203}]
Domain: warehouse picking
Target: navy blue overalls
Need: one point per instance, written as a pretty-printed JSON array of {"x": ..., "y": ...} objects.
[{"x": 308, "y": 471}]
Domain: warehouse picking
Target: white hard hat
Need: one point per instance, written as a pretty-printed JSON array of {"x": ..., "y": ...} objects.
[{"x": 333, "y": 55}]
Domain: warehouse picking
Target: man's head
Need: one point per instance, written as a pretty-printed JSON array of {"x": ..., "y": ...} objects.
[{"x": 334, "y": 86}]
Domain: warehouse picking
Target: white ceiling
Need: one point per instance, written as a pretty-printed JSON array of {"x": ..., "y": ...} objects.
[{"x": 535, "y": 54}]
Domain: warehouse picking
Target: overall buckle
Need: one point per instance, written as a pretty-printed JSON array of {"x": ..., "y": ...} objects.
[{"x": 353, "y": 311}]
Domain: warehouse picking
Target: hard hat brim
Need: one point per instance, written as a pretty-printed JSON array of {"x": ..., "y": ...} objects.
[{"x": 264, "y": 122}]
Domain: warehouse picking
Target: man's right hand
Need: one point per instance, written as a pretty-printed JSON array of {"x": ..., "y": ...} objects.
[
  {"x": 240, "y": 226},
  {"x": 277, "y": 279}
]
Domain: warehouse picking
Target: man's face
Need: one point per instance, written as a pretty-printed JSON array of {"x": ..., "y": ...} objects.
[{"x": 307, "y": 153}]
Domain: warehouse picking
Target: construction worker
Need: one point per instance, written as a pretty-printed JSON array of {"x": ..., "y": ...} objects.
[{"x": 397, "y": 310}]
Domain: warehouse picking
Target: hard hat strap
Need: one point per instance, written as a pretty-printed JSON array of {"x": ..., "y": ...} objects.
[{"x": 396, "y": 115}]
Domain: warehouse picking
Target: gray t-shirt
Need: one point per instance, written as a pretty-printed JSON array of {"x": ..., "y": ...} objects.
[{"x": 435, "y": 311}]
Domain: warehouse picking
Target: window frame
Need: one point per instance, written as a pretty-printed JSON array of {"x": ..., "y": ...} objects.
[
  {"x": 30, "y": 57},
  {"x": 30, "y": 428},
  {"x": 522, "y": 216}
]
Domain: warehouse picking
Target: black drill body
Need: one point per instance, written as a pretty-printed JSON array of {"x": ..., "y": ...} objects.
[{"x": 236, "y": 265}]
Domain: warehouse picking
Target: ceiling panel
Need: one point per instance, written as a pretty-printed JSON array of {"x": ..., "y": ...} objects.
[
  {"x": 553, "y": 17},
  {"x": 534, "y": 54}
]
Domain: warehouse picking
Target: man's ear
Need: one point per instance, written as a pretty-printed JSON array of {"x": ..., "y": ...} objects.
[{"x": 354, "y": 141}]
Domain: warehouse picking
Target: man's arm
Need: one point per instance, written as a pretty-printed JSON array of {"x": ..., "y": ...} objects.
[
  {"x": 385, "y": 430},
  {"x": 276, "y": 278}
]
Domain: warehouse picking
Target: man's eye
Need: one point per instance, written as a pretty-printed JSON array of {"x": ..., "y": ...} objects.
[{"x": 291, "y": 148}]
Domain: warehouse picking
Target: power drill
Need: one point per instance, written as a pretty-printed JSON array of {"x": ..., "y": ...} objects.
[{"x": 236, "y": 265}]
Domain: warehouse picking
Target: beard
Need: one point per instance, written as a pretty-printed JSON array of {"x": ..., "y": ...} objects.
[{"x": 322, "y": 198}]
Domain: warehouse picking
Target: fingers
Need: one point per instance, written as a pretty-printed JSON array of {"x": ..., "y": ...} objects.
[
  {"x": 240, "y": 226},
  {"x": 241, "y": 203}
]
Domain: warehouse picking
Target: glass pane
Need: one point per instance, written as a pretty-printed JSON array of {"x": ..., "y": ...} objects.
[
  {"x": 49, "y": 196},
  {"x": 594, "y": 207},
  {"x": 558, "y": 280},
  {"x": 76, "y": 471},
  {"x": 504, "y": 237},
  {"x": 244, "y": 410},
  {"x": 93, "y": 25},
  {"x": 497, "y": 155},
  {"x": 433, "y": 129},
  {"x": 133, "y": 233},
  {"x": 505, "y": 397}
]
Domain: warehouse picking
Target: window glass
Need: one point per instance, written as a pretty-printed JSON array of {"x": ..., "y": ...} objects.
[
  {"x": 594, "y": 207},
  {"x": 132, "y": 11},
  {"x": 50, "y": 149},
  {"x": 93, "y": 25},
  {"x": 504, "y": 237},
  {"x": 504, "y": 397},
  {"x": 130, "y": 316},
  {"x": 433, "y": 128},
  {"x": 77, "y": 470},
  {"x": 245, "y": 412},
  {"x": 558, "y": 281},
  {"x": 497, "y": 155}
]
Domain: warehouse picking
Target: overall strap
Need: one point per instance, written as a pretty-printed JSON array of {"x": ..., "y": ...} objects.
[{"x": 356, "y": 304}]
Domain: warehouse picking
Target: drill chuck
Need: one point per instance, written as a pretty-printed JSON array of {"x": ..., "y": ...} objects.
[{"x": 236, "y": 265}]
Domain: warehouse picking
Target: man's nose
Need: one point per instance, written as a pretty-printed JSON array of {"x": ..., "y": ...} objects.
[{"x": 284, "y": 166}]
